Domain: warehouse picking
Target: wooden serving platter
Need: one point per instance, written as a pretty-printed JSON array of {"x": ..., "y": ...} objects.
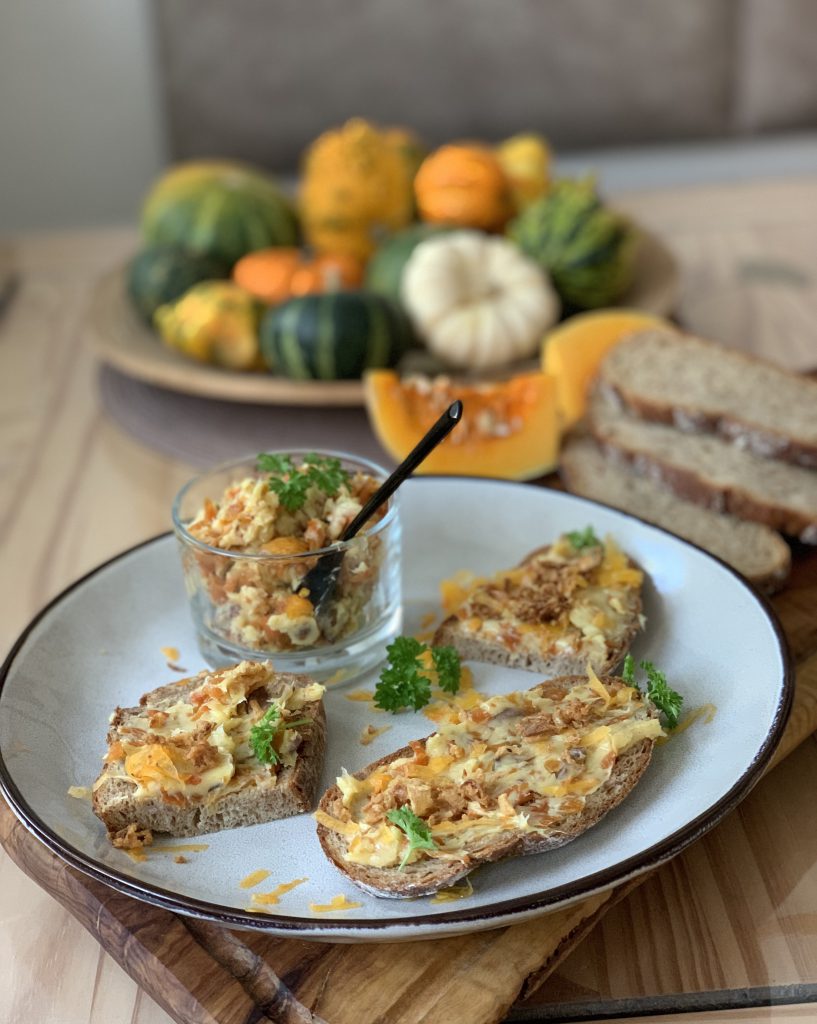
[
  {"x": 120, "y": 339},
  {"x": 200, "y": 972}
]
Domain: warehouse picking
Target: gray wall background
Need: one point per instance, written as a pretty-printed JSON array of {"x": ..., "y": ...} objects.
[
  {"x": 81, "y": 122},
  {"x": 97, "y": 95}
]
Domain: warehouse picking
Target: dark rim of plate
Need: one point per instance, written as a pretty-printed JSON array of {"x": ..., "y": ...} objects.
[{"x": 497, "y": 914}]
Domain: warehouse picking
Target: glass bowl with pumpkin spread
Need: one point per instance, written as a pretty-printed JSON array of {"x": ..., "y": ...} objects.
[{"x": 250, "y": 531}]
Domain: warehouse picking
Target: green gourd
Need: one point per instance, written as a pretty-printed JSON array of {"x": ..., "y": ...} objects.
[
  {"x": 161, "y": 273},
  {"x": 385, "y": 270},
  {"x": 334, "y": 336},
  {"x": 587, "y": 249},
  {"x": 218, "y": 208}
]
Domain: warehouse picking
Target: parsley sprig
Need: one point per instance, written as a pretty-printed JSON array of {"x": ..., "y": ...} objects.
[
  {"x": 263, "y": 733},
  {"x": 658, "y": 689},
  {"x": 586, "y": 538},
  {"x": 417, "y": 831},
  {"x": 405, "y": 682},
  {"x": 291, "y": 483}
]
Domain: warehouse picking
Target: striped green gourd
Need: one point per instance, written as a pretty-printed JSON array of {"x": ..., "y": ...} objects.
[
  {"x": 162, "y": 273},
  {"x": 385, "y": 269},
  {"x": 334, "y": 336},
  {"x": 587, "y": 249},
  {"x": 218, "y": 208}
]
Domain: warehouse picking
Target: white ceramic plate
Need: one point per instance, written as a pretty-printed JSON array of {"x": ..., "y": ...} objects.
[{"x": 99, "y": 645}]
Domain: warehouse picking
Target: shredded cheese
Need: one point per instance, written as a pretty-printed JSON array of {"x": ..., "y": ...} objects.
[
  {"x": 454, "y": 892},
  {"x": 271, "y": 898},
  {"x": 336, "y": 903},
  {"x": 253, "y": 879}
]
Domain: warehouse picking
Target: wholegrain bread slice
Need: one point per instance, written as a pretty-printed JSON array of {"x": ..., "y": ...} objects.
[
  {"x": 536, "y": 826},
  {"x": 255, "y": 792},
  {"x": 540, "y": 623},
  {"x": 757, "y": 552},
  {"x": 709, "y": 471},
  {"x": 696, "y": 385}
]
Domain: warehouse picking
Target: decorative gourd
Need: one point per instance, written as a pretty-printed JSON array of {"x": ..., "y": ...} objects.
[
  {"x": 476, "y": 301},
  {"x": 214, "y": 322},
  {"x": 275, "y": 275},
  {"x": 525, "y": 159},
  {"x": 161, "y": 273},
  {"x": 508, "y": 429},
  {"x": 356, "y": 188},
  {"x": 463, "y": 185},
  {"x": 572, "y": 352},
  {"x": 218, "y": 208},
  {"x": 587, "y": 249},
  {"x": 385, "y": 269},
  {"x": 334, "y": 336}
]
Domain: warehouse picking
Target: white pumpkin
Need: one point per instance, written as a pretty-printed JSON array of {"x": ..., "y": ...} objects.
[{"x": 476, "y": 300}]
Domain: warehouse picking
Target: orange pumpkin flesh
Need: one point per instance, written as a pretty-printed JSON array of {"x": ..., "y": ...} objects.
[
  {"x": 571, "y": 352},
  {"x": 508, "y": 430},
  {"x": 275, "y": 275}
]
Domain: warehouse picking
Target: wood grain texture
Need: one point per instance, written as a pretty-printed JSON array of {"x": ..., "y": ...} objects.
[{"x": 75, "y": 491}]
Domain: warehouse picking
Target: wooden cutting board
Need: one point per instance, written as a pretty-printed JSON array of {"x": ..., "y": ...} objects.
[{"x": 203, "y": 974}]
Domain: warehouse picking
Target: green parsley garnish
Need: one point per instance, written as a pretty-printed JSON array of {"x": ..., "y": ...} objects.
[
  {"x": 658, "y": 689},
  {"x": 405, "y": 682},
  {"x": 291, "y": 483},
  {"x": 662, "y": 695},
  {"x": 585, "y": 538},
  {"x": 263, "y": 734},
  {"x": 447, "y": 666},
  {"x": 417, "y": 832}
]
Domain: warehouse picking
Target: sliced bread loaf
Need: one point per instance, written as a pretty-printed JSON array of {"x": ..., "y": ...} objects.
[
  {"x": 185, "y": 760},
  {"x": 757, "y": 552},
  {"x": 518, "y": 774},
  {"x": 697, "y": 385},
  {"x": 709, "y": 470}
]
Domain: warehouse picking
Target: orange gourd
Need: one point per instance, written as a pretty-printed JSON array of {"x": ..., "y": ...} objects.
[
  {"x": 276, "y": 275},
  {"x": 571, "y": 352},
  {"x": 509, "y": 429},
  {"x": 463, "y": 184}
]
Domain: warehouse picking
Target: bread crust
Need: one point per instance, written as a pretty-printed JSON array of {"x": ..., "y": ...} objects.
[
  {"x": 290, "y": 791},
  {"x": 694, "y": 487},
  {"x": 472, "y": 647},
  {"x": 426, "y": 876},
  {"x": 757, "y": 438},
  {"x": 580, "y": 479}
]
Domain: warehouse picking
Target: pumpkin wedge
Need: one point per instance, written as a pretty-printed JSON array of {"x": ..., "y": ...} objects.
[
  {"x": 571, "y": 352},
  {"x": 509, "y": 429}
]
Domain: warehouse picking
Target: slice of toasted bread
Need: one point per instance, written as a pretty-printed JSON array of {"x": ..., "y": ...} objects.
[
  {"x": 160, "y": 777},
  {"x": 523, "y": 773},
  {"x": 559, "y": 609}
]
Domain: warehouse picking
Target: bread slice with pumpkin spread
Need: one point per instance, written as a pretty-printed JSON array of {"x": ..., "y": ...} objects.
[
  {"x": 517, "y": 774},
  {"x": 226, "y": 748},
  {"x": 576, "y": 601}
]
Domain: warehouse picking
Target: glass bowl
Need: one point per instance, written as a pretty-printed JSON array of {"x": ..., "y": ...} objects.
[{"x": 251, "y": 604}]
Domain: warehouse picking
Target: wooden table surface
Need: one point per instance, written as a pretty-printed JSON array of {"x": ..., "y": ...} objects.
[{"x": 76, "y": 491}]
